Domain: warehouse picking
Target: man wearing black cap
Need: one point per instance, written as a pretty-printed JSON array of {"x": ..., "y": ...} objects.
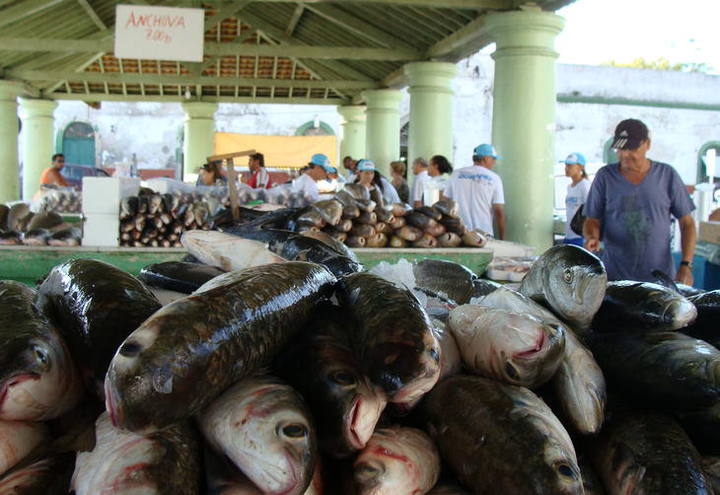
[{"x": 630, "y": 203}]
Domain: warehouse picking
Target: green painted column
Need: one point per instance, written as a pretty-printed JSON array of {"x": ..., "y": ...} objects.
[
  {"x": 431, "y": 102},
  {"x": 199, "y": 134},
  {"x": 9, "y": 163},
  {"x": 383, "y": 127},
  {"x": 38, "y": 141},
  {"x": 352, "y": 123},
  {"x": 524, "y": 119}
]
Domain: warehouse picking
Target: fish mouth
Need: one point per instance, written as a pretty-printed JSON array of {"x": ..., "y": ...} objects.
[
  {"x": 11, "y": 382},
  {"x": 292, "y": 487},
  {"x": 361, "y": 421},
  {"x": 539, "y": 344},
  {"x": 351, "y": 429},
  {"x": 115, "y": 413}
]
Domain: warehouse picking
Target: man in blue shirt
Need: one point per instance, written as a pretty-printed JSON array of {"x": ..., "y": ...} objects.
[{"x": 630, "y": 204}]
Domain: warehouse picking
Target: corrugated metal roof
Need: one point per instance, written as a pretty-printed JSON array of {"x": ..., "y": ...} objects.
[{"x": 324, "y": 51}]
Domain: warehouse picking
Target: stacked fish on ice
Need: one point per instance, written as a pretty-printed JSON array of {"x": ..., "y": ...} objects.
[
  {"x": 20, "y": 225},
  {"x": 359, "y": 218},
  {"x": 286, "y": 369},
  {"x": 158, "y": 220}
]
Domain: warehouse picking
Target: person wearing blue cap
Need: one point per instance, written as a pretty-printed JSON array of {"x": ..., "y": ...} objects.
[
  {"x": 317, "y": 170},
  {"x": 631, "y": 203},
  {"x": 577, "y": 193},
  {"x": 369, "y": 177},
  {"x": 478, "y": 192}
]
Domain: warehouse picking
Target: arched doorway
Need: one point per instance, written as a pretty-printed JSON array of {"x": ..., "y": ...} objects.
[
  {"x": 315, "y": 128},
  {"x": 609, "y": 155},
  {"x": 78, "y": 144}
]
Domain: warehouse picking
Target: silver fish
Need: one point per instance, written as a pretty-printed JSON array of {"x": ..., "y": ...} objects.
[
  {"x": 227, "y": 252},
  {"x": 265, "y": 428}
]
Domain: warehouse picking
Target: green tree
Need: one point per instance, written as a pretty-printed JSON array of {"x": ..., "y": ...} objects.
[{"x": 660, "y": 64}]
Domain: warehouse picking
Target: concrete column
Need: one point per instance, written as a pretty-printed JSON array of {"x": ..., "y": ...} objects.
[
  {"x": 199, "y": 134},
  {"x": 38, "y": 138},
  {"x": 383, "y": 127},
  {"x": 352, "y": 142},
  {"x": 431, "y": 96},
  {"x": 9, "y": 163},
  {"x": 524, "y": 119}
]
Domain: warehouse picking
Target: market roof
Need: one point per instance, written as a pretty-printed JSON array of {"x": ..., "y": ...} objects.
[{"x": 263, "y": 51}]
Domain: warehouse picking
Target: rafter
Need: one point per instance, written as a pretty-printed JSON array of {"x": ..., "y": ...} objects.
[
  {"x": 92, "y": 14},
  {"x": 134, "y": 78},
  {"x": 180, "y": 98},
  {"x": 358, "y": 26},
  {"x": 225, "y": 12},
  {"x": 444, "y": 4},
  {"x": 294, "y": 19},
  {"x": 471, "y": 35},
  {"x": 25, "y": 9}
]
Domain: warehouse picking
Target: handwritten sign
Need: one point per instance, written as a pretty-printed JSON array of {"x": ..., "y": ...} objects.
[{"x": 159, "y": 33}]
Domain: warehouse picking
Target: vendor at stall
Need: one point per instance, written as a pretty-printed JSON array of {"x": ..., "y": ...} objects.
[
  {"x": 52, "y": 175},
  {"x": 259, "y": 177},
  {"x": 317, "y": 170}
]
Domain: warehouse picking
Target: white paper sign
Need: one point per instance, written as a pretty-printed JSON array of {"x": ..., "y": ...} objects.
[{"x": 159, "y": 33}]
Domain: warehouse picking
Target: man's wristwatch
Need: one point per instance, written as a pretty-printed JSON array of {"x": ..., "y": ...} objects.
[{"x": 686, "y": 263}]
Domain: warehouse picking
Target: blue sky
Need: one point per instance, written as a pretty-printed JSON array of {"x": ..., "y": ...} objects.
[{"x": 597, "y": 31}]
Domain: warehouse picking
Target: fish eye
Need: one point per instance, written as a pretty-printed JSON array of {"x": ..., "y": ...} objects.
[
  {"x": 294, "y": 430},
  {"x": 343, "y": 378},
  {"x": 40, "y": 355},
  {"x": 130, "y": 349},
  {"x": 567, "y": 275},
  {"x": 511, "y": 371},
  {"x": 566, "y": 471},
  {"x": 435, "y": 354}
]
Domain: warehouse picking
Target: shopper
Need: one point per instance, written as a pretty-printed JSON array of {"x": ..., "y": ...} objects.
[
  {"x": 577, "y": 192},
  {"x": 52, "y": 175},
  {"x": 306, "y": 184},
  {"x": 351, "y": 166},
  {"x": 439, "y": 170},
  {"x": 422, "y": 177},
  {"x": 631, "y": 202},
  {"x": 259, "y": 177},
  {"x": 371, "y": 178},
  {"x": 478, "y": 192},
  {"x": 210, "y": 175},
  {"x": 397, "y": 170}
]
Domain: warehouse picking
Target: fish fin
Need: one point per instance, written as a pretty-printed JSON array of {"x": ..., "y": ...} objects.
[
  {"x": 665, "y": 280},
  {"x": 302, "y": 255}
]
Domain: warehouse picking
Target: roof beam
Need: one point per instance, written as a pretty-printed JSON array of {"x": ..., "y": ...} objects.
[
  {"x": 443, "y": 4},
  {"x": 225, "y": 12},
  {"x": 25, "y": 9},
  {"x": 136, "y": 78},
  {"x": 279, "y": 35},
  {"x": 357, "y": 26},
  {"x": 294, "y": 19},
  {"x": 49, "y": 58},
  {"x": 210, "y": 99},
  {"x": 92, "y": 14},
  {"x": 223, "y": 49},
  {"x": 471, "y": 33}
]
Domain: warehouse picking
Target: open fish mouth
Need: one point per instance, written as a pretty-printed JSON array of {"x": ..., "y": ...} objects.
[
  {"x": 361, "y": 421},
  {"x": 351, "y": 429},
  {"x": 539, "y": 345},
  {"x": 12, "y": 382}
]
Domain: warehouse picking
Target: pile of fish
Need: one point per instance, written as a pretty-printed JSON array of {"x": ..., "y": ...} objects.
[
  {"x": 358, "y": 217},
  {"x": 65, "y": 200},
  {"x": 293, "y": 371},
  {"x": 158, "y": 220},
  {"x": 20, "y": 226}
]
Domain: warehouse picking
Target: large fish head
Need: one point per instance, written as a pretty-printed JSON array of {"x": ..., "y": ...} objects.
[
  {"x": 679, "y": 313},
  {"x": 36, "y": 375},
  {"x": 396, "y": 460},
  {"x": 575, "y": 282},
  {"x": 275, "y": 444},
  {"x": 348, "y": 406},
  {"x": 406, "y": 370},
  {"x": 534, "y": 350}
]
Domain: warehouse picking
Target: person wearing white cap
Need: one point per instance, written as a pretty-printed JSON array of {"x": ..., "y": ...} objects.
[
  {"x": 577, "y": 193},
  {"x": 478, "y": 192},
  {"x": 369, "y": 177},
  {"x": 317, "y": 170}
]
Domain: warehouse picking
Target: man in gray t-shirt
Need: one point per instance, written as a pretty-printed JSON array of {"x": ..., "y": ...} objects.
[{"x": 631, "y": 203}]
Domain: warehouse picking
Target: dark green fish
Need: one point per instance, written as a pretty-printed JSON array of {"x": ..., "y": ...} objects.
[
  {"x": 643, "y": 306},
  {"x": 178, "y": 276},
  {"x": 667, "y": 369},
  {"x": 500, "y": 438},
  {"x": 394, "y": 339},
  {"x": 38, "y": 378},
  {"x": 190, "y": 351},
  {"x": 96, "y": 306},
  {"x": 570, "y": 280},
  {"x": 648, "y": 453},
  {"x": 445, "y": 277},
  {"x": 706, "y": 325}
]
